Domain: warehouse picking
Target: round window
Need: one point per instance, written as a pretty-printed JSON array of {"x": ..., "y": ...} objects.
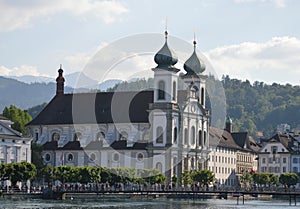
[
  {"x": 140, "y": 156},
  {"x": 116, "y": 157},
  {"x": 92, "y": 157},
  {"x": 47, "y": 157}
]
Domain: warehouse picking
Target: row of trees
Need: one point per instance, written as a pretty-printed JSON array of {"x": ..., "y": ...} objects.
[
  {"x": 98, "y": 174},
  {"x": 17, "y": 172},
  {"x": 270, "y": 179}
]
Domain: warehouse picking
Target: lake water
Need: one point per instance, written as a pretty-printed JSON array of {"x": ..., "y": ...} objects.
[{"x": 145, "y": 204}]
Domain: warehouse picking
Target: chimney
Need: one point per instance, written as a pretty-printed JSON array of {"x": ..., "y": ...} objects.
[
  {"x": 228, "y": 124},
  {"x": 60, "y": 80}
]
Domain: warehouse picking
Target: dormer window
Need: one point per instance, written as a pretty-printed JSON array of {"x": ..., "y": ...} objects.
[
  {"x": 55, "y": 136},
  {"x": 100, "y": 136},
  {"x": 123, "y": 136},
  {"x": 77, "y": 136}
]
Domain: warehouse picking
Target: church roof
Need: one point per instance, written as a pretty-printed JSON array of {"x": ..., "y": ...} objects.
[{"x": 91, "y": 108}]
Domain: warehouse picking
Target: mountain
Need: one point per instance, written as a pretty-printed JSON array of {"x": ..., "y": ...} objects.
[
  {"x": 80, "y": 80},
  {"x": 25, "y": 95},
  {"x": 108, "y": 84},
  {"x": 32, "y": 79}
]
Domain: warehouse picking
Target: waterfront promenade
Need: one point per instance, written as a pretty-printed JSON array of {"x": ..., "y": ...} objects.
[{"x": 241, "y": 196}]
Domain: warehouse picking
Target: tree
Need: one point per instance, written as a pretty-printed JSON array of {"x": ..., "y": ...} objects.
[
  {"x": 19, "y": 118},
  {"x": 288, "y": 179},
  {"x": 36, "y": 157},
  {"x": 186, "y": 178},
  {"x": 205, "y": 177}
]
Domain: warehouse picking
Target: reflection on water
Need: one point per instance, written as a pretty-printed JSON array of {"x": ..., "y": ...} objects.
[{"x": 143, "y": 204}]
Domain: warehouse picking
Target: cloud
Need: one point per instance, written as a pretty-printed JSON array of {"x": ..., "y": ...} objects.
[
  {"x": 276, "y": 3},
  {"x": 15, "y": 14},
  {"x": 20, "y": 71},
  {"x": 276, "y": 60}
]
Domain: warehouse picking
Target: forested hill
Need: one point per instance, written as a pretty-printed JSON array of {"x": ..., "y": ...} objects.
[
  {"x": 23, "y": 95},
  {"x": 253, "y": 107}
]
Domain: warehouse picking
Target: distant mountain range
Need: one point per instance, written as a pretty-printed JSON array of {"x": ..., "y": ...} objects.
[
  {"x": 76, "y": 80},
  {"x": 28, "y": 91}
]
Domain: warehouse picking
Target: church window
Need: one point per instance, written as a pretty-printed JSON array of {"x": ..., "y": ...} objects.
[
  {"x": 204, "y": 138},
  {"x": 185, "y": 136},
  {"x": 159, "y": 167},
  {"x": 161, "y": 90},
  {"x": 100, "y": 136},
  {"x": 47, "y": 157},
  {"x": 123, "y": 136},
  {"x": 193, "y": 135},
  {"x": 194, "y": 92},
  {"x": 202, "y": 96},
  {"x": 36, "y": 137},
  {"x": 159, "y": 135},
  {"x": 174, "y": 90},
  {"x": 175, "y": 135},
  {"x": 70, "y": 157},
  {"x": 77, "y": 136},
  {"x": 55, "y": 136},
  {"x": 200, "y": 137},
  {"x": 92, "y": 157},
  {"x": 116, "y": 157},
  {"x": 140, "y": 157}
]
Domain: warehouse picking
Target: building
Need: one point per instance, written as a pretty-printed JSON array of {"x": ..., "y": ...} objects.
[
  {"x": 163, "y": 128},
  {"x": 232, "y": 154},
  {"x": 275, "y": 154},
  {"x": 13, "y": 146}
]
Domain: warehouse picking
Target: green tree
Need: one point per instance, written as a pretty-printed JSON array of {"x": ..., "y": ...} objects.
[
  {"x": 205, "y": 177},
  {"x": 288, "y": 179},
  {"x": 19, "y": 118},
  {"x": 186, "y": 178}
]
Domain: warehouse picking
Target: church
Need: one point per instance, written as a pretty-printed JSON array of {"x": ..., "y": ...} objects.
[{"x": 163, "y": 128}]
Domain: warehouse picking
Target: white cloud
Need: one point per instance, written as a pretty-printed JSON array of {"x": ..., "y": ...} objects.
[
  {"x": 276, "y": 60},
  {"x": 19, "y": 15},
  {"x": 276, "y": 3},
  {"x": 20, "y": 71}
]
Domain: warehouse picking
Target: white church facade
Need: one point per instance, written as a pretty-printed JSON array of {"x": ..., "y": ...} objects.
[{"x": 163, "y": 128}]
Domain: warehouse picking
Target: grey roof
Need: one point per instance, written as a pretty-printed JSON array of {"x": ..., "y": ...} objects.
[
  {"x": 223, "y": 138},
  {"x": 92, "y": 108}
]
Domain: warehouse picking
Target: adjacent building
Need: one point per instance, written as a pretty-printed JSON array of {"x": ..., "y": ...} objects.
[{"x": 13, "y": 146}]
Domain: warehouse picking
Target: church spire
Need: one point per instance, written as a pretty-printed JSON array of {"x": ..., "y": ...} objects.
[{"x": 60, "y": 80}]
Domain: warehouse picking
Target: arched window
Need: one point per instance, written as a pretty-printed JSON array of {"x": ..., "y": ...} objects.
[
  {"x": 175, "y": 135},
  {"x": 116, "y": 157},
  {"x": 193, "y": 135},
  {"x": 204, "y": 138},
  {"x": 159, "y": 135},
  {"x": 174, "y": 90},
  {"x": 47, "y": 157},
  {"x": 100, "y": 136},
  {"x": 200, "y": 138},
  {"x": 92, "y": 157},
  {"x": 194, "y": 91},
  {"x": 202, "y": 96},
  {"x": 186, "y": 136},
  {"x": 161, "y": 90},
  {"x": 70, "y": 157},
  {"x": 159, "y": 167},
  {"x": 123, "y": 136},
  {"x": 140, "y": 156},
  {"x": 55, "y": 136},
  {"x": 77, "y": 136}
]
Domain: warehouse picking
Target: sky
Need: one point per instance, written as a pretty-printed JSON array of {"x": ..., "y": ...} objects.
[{"x": 258, "y": 40}]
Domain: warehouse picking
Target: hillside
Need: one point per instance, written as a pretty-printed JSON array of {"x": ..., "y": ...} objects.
[
  {"x": 256, "y": 107},
  {"x": 25, "y": 95}
]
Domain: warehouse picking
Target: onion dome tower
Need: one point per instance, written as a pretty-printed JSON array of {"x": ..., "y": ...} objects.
[
  {"x": 194, "y": 78},
  {"x": 194, "y": 65},
  {"x": 60, "y": 80},
  {"x": 166, "y": 58}
]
